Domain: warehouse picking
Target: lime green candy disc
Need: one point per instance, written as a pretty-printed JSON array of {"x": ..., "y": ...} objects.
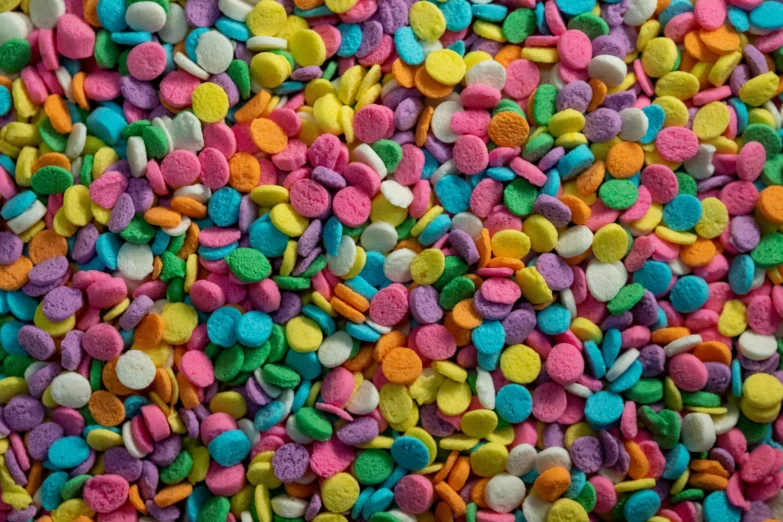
[
  {"x": 51, "y": 180},
  {"x": 519, "y": 24},
  {"x": 618, "y": 194},
  {"x": 390, "y": 153},
  {"x": 250, "y": 266},
  {"x": 281, "y": 376},
  {"x": 373, "y": 466},
  {"x": 138, "y": 231},
  {"x": 229, "y": 363},
  {"x": 625, "y": 299},
  {"x": 313, "y": 423},
  {"x": 178, "y": 470},
  {"x": 15, "y": 54},
  {"x": 519, "y": 197},
  {"x": 646, "y": 391},
  {"x": 769, "y": 252}
]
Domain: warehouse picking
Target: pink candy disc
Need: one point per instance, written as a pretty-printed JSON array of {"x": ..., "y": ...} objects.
[
  {"x": 435, "y": 342},
  {"x": 370, "y": 124},
  {"x": 147, "y": 61},
  {"x": 351, "y": 205},
  {"x": 180, "y": 168},
  {"x": 565, "y": 364},
  {"x": 309, "y": 198},
  {"x": 470, "y": 154},
  {"x": 390, "y": 305},
  {"x": 197, "y": 367},
  {"x": 688, "y": 372},
  {"x": 102, "y": 342},
  {"x": 105, "y": 493},
  {"x": 549, "y": 402},
  {"x": 751, "y": 161},
  {"x": 575, "y": 49},
  {"x": 677, "y": 144}
]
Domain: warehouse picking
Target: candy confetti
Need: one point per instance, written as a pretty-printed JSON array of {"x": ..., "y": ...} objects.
[{"x": 391, "y": 261}]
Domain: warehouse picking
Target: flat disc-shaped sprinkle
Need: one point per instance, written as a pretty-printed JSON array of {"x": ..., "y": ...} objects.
[{"x": 445, "y": 66}]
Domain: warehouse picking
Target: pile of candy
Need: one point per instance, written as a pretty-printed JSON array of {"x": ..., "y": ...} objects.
[{"x": 391, "y": 261}]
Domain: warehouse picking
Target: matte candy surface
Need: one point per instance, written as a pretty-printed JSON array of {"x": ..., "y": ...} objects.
[{"x": 391, "y": 261}]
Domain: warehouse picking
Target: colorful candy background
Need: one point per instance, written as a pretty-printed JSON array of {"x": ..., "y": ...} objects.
[{"x": 391, "y": 261}]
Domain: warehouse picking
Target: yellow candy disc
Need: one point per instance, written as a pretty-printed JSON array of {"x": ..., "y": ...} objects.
[
  {"x": 210, "y": 102},
  {"x": 445, "y": 66}
]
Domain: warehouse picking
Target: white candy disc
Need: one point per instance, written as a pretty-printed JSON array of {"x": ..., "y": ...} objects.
[
  {"x": 250, "y": 431},
  {"x": 28, "y": 218},
  {"x": 574, "y": 241},
  {"x": 364, "y": 400},
  {"x": 429, "y": 47},
  {"x": 756, "y": 347},
  {"x": 609, "y": 69},
  {"x": 342, "y": 263},
  {"x": 44, "y": 13},
  {"x": 468, "y": 222},
  {"x": 521, "y": 460},
  {"x": 698, "y": 432},
  {"x": 441, "y": 121},
  {"x": 568, "y": 301},
  {"x": 130, "y": 444},
  {"x": 76, "y": 140},
  {"x": 379, "y": 237},
  {"x": 700, "y": 166},
  {"x": 65, "y": 81},
  {"x": 235, "y": 9},
  {"x": 186, "y": 132},
  {"x": 397, "y": 266},
  {"x": 199, "y": 192},
  {"x": 288, "y": 507},
  {"x": 604, "y": 280},
  {"x": 270, "y": 389},
  {"x": 552, "y": 458},
  {"x": 365, "y": 154},
  {"x": 383, "y": 330},
  {"x": 335, "y": 349},
  {"x": 135, "y": 370},
  {"x": 33, "y": 369},
  {"x": 579, "y": 390},
  {"x": 287, "y": 398},
  {"x": 639, "y": 11},
  {"x": 398, "y": 195},
  {"x": 488, "y": 72},
  {"x": 176, "y": 28},
  {"x": 622, "y": 363},
  {"x": 214, "y": 52},
  {"x": 179, "y": 229},
  {"x": 137, "y": 156},
  {"x": 14, "y": 25},
  {"x": 485, "y": 389},
  {"x": 726, "y": 421},
  {"x": 135, "y": 261},
  {"x": 682, "y": 345},
  {"x": 535, "y": 508},
  {"x": 265, "y": 43},
  {"x": 634, "y": 124},
  {"x": 190, "y": 66},
  {"x": 504, "y": 492},
  {"x": 447, "y": 169},
  {"x": 71, "y": 390},
  {"x": 147, "y": 17},
  {"x": 679, "y": 268}
]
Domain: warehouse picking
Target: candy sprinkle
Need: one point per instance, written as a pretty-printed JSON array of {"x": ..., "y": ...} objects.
[{"x": 391, "y": 261}]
